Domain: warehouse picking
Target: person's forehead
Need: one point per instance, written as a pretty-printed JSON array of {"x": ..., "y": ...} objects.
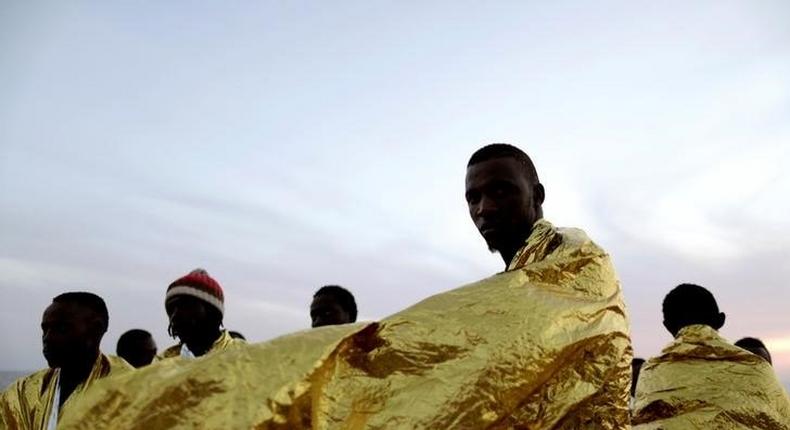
[
  {"x": 63, "y": 311},
  {"x": 502, "y": 168},
  {"x": 147, "y": 341},
  {"x": 184, "y": 302},
  {"x": 324, "y": 300}
]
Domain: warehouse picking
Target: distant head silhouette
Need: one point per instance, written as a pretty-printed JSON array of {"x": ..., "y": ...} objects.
[
  {"x": 689, "y": 304},
  {"x": 756, "y": 347},
  {"x": 137, "y": 347},
  {"x": 332, "y": 305}
]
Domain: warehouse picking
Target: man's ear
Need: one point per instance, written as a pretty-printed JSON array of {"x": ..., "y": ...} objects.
[
  {"x": 670, "y": 328},
  {"x": 97, "y": 325},
  {"x": 540, "y": 193},
  {"x": 719, "y": 321}
]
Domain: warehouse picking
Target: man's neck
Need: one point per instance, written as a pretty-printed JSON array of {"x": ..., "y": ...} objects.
[
  {"x": 507, "y": 255},
  {"x": 509, "y": 251},
  {"x": 204, "y": 343},
  {"x": 73, "y": 375}
]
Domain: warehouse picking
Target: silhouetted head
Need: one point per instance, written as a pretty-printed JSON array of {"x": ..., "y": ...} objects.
[
  {"x": 195, "y": 306},
  {"x": 689, "y": 304},
  {"x": 636, "y": 367},
  {"x": 333, "y": 305},
  {"x": 236, "y": 335},
  {"x": 504, "y": 196},
  {"x": 137, "y": 347},
  {"x": 756, "y": 347},
  {"x": 72, "y": 328},
  {"x": 191, "y": 318}
]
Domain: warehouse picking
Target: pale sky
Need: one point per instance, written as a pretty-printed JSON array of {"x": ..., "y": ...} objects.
[{"x": 287, "y": 145}]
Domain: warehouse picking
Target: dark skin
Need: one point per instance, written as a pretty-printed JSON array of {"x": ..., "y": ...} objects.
[
  {"x": 71, "y": 335},
  {"x": 716, "y": 321},
  {"x": 759, "y": 351},
  {"x": 140, "y": 352},
  {"x": 194, "y": 323},
  {"x": 325, "y": 310},
  {"x": 504, "y": 204}
]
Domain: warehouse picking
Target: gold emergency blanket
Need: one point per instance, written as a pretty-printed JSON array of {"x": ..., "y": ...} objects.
[
  {"x": 223, "y": 342},
  {"x": 28, "y": 402},
  {"x": 700, "y": 381},
  {"x": 544, "y": 345}
]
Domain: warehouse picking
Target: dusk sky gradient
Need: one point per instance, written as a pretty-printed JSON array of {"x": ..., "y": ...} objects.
[{"x": 287, "y": 145}]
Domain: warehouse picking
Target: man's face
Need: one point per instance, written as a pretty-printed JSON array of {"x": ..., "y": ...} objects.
[
  {"x": 325, "y": 310},
  {"x": 189, "y": 317},
  {"x": 502, "y": 202},
  {"x": 140, "y": 352},
  {"x": 70, "y": 334}
]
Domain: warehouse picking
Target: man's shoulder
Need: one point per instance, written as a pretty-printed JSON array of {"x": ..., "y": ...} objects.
[
  {"x": 226, "y": 341},
  {"x": 558, "y": 239},
  {"x": 30, "y": 383},
  {"x": 576, "y": 238},
  {"x": 118, "y": 364},
  {"x": 548, "y": 244},
  {"x": 170, "y": 352},
  {"x": 702, "y": 344},
  {"x": 237, "y": 342}
]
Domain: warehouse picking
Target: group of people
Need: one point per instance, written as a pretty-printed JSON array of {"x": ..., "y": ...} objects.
[
  {"x": 545, "y": 344},
  {"x": 74, "y": 324},
  {"x": 195, "y": 307}
]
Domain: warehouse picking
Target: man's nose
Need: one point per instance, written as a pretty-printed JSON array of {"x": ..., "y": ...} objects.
[{"x": 486, "y": 205}]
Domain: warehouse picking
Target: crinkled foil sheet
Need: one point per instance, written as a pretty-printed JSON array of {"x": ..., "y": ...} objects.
[
  {"x": 700, "y": 381},
  {"x": 542, "y": 346}
]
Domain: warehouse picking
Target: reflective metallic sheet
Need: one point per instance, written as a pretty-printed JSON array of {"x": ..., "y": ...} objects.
[
  {"x": 27, "y": 403},
  {"x": 544, "y": 345},
  {"x": 700, "y": 381},
  {"x": 223, "y": 342}
]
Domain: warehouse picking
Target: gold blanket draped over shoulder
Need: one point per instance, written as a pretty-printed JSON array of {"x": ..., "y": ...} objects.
[
  {"x": 544, "y": 345},
  {"x": 223, "y": 342},
  {"x": 700, "y": 381},
  {"x": 27, "y": 403}
]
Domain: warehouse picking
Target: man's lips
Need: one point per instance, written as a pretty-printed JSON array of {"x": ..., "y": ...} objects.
[{"x": 489, "y": 228}]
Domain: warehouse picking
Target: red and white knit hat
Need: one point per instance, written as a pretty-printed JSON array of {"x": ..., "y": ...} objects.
[{"x": 199, "y": 284}]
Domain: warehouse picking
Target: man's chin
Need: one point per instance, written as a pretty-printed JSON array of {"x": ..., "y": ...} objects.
[
  {"x": 493, "y": 246},
  {"x": 493, "y": 241},
  {"x": 185, "y": 338},
  {"x": 53, "y": 362},
  {"x": 50, "y": 358}
]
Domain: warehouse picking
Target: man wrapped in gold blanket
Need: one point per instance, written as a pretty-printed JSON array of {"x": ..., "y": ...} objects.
[
  {"x": 72, "y": 328},
  {"x": 701, "y": 381},
  {"x": 543, "y": 345}
]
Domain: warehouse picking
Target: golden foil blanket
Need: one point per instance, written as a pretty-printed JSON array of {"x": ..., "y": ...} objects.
[
  {"x": 700, "y": 381},
  {"x": 544, "y": 345}
]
